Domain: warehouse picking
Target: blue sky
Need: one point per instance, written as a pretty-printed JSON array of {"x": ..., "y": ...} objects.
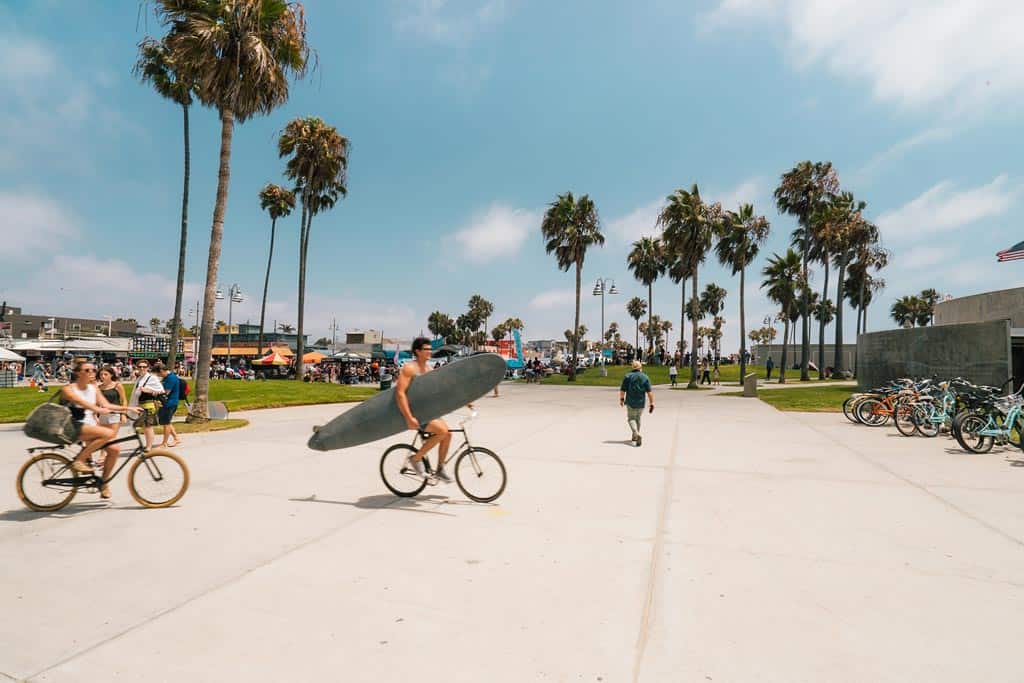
[{"x": 467, "y": 118}]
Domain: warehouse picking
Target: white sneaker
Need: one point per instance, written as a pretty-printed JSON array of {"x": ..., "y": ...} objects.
[
  {"x": 419, "y": 470},
  {"x": 443, "y": 476}
]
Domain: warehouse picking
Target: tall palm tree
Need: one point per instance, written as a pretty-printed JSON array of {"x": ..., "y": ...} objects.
[
  {"x": 857, "y": 239},
  {"x": 278, "y": 202},
  {"x": 930, "y": 297},
  {"x": 712, "y": 301},
  {"x": 647, "y": 261},
  {"x": 688, "y": 228},
  {"x": 570, "y": 227},
  {"x": 155, "y": 66},
  {"x": 440, "y": 324},
  {"x": 480, "y": 309},
  {"x": 679, "y": 271},
  {"x": 782, "y": 278},
  {"x": 319, "y": 167},
  {"x": 636, "y": 309},
  {"x": 802, "y": 191},
  {"x": 742, "y": 234},
  {"x": 239, "y": 54}
]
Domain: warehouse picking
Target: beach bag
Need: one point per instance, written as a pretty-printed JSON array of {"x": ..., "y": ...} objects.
[{"x": 51, "y": 423}]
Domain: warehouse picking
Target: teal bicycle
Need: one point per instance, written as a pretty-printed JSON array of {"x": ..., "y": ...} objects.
[{"x": 1000, "y": 421}]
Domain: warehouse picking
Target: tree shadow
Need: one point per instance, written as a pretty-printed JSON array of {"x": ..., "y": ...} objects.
[{"x": 384, "y": 501}]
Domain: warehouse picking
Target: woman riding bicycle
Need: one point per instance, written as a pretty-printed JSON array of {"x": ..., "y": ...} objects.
[{"x": 86, "y": 402}]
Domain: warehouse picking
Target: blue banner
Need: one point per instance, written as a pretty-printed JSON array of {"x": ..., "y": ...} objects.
[{"x": 519, "y": 345}]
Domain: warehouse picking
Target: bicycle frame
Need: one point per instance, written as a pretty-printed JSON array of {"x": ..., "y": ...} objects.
[{"x": 84, "y": 480}]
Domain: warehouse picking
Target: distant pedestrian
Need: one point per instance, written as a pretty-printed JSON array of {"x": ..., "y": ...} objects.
[
  {"x": 39, "y": 377},
  {"x": 673, "y": 373},
  {"x": 705, "y": 377},
  {"x": 165, "y": 413},
  {"x": 769, "y": 364},
  {"x": 715, "y": 377},
  {"x": 634, "y": 390}
]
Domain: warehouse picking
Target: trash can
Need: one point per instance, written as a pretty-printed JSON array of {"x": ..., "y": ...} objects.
[{"x": 385, "y": 382}]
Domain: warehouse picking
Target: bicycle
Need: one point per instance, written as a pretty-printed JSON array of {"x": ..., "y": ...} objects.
[
  {"x": 479, "y": 472},
  {"x": 47, "y": 483}
]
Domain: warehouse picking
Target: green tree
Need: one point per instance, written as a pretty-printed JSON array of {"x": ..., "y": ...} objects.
[
  {"x": 905, "y": 310},
  {"x": 156, "y": 67},
  {"x": 440, "y": 325},
  {"x": 636, "y": 308},
  {"x": 647, "y": 261},
  {"x": 318, "y": 164},
  {"x": 929, "y": 297},
  {"x": 278, "y": 202},
  {"x": 740, "y": 240},
  {"x": 802, "y": 192},
  {"x": 239, "y": 55},
  {"x": 781, "y": 279},
  {"x": 480, "y": 310},
  {"x": 570, "y": 227},
  {"x": 688, "y": 228}
]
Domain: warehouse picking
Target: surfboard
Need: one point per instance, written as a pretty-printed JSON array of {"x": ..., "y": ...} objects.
[{"x": 431, "y": 395}]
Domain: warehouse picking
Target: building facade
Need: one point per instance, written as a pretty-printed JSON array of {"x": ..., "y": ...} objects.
[{"x": 20, "y": 325}]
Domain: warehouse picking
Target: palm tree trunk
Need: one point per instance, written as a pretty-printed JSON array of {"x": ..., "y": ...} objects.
[
  {"x": 821, "y": 325},
  {"x": 650, "y": 319},
  {"x": 307, "y": 220},
  {"x": 693, "y": 351},
  {"x": 576, "y": 325},
  {"x": 682, "y": 319},
  {"x": 266, "y": 285},
  {"x": 785, "y": 346},
  {"x": 636, "y": 346},
  {"x": 743, "y": 327},
  {"x": 805, "y": 328},
  {"x": 840, "y": 277},
  {"x": 172, "y": 353},
  {"x": 200, "y": 410}
]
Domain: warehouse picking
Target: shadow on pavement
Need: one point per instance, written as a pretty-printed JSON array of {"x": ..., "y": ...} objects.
[
  {"x": 26, "y": 515},
  {"x": 625, "y": 442},
  {"x": 385, "y": 501}
]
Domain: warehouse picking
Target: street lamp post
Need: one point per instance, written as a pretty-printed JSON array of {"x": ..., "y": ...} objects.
[
  {"x": 234, "y": 296},
  {"x": 604, "y": 285}
]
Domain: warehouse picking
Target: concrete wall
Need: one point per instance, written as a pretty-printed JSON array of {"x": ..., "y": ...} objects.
[
  {"x": 1005, "y": 304},
  {"x": 979, "y": 352},
  {"x": 793, "y": 354}
]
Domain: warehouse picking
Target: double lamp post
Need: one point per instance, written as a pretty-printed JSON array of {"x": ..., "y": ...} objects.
[
  {"x": 234, "y": 297},
  {"x": 604, "y": 285}
]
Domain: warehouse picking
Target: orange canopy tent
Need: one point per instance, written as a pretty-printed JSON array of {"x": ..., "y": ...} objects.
[
  {"x": 312, "y": 357},
  {"x": 271, "y": 359}
]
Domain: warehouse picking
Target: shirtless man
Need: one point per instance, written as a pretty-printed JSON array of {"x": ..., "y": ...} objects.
[{"x": 439, "y": 434}]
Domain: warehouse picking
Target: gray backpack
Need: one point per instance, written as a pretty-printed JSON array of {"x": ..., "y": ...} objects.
[{"x": 51, "y": 423}]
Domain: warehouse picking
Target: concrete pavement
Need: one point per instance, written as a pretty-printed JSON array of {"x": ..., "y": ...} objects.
[{"x": 738, "y": 544}]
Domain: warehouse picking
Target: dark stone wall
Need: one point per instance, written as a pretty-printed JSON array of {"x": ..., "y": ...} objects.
[
  {"x": 1000, "y": 305},
  {"x": 979, "y": 352}
]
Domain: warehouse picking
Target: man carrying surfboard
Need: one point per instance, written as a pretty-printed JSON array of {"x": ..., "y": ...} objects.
[{"x": 438, "y": 429}]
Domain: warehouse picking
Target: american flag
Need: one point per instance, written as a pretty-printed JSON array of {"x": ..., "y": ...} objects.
[{"x": 1014, "y": 253}]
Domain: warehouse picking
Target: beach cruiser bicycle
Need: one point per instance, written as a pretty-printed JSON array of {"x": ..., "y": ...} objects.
[
  {"x": 46, "y": 482},
  {"x": 479, "y": 472}
]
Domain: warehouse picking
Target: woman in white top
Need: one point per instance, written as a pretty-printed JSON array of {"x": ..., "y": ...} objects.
[{"x": 86, "y": 402}]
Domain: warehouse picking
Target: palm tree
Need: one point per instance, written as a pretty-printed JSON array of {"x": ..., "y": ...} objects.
[
  {"x": 679, "y": 271},
  {"x": 319, "y": 166},
  {"x": 278, "y": 202},
  {"x": 846, "y": 232},
  {"x": 480, "y": 309},
  {"x": 688, "y": 228},
  {"x": 802, "y": 192},
  {"x": 712, "y": 301},
  {"x": 930, "y": 297},
  {"x": 286, "y": 328},
  {"x": 738, "y": 244},
  {"x": 239, "y": 56},
  {"x": 154, "y": 66},
  {"x": 636, "y": 309},
  {"x": 781, "y": 278},
  {"x": 647, "y": 261},
  {"x": 570, "y": 227},
  {"x": 904, "y": 311},
  {"x": 499, "y": 332}
]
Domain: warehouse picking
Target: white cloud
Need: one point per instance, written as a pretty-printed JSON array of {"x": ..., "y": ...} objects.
[
  {"x": 498, "y": 232},
  {"x": 921, "y": 257},
  {"x": 555, "y": 298},
  {"x": 42, "y": 220},
  {"x": 24, "y": 61},
  {"x": 450, "y": 22},
  {"x": 900, "y": 149},
  {"x": 942, "y": 209},
  {"x": 751, "y": 191},
  {"x": 638, "y": 223},
  {"x": 915, "y": 53}
]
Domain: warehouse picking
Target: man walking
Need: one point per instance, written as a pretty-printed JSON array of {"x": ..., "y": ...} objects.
[
  {"x": 769, "y": 364},
  {"x": 635, "y": 388}
]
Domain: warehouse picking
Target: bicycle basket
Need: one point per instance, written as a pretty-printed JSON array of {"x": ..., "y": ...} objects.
[{"x": 51, "y": 423}]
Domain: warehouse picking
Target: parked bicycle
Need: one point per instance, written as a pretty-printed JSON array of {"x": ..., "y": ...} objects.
[
  {"x": 479, "y": 472},
  {"x": 46, "y": 482}
]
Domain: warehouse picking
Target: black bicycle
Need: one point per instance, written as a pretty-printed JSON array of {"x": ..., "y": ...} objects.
[
  {"x": 479, "y": 471},
  {"x": 46, "y": 482}
]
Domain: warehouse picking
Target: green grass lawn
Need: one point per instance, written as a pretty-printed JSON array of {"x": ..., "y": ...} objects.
[
  {"x": 17, "y": 403},
  {"x": 729, "y": 374},
  {"x": 819, "y": 399}
]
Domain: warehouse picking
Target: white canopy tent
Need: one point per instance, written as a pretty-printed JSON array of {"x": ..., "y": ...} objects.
[{"x": 6, "y": 356}]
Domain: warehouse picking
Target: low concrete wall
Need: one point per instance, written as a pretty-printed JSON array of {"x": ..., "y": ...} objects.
[
  {"x": 980, "y": 352},
  {"x": 1004, "y": 304},
  {"x": 793, "y": 358}
]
